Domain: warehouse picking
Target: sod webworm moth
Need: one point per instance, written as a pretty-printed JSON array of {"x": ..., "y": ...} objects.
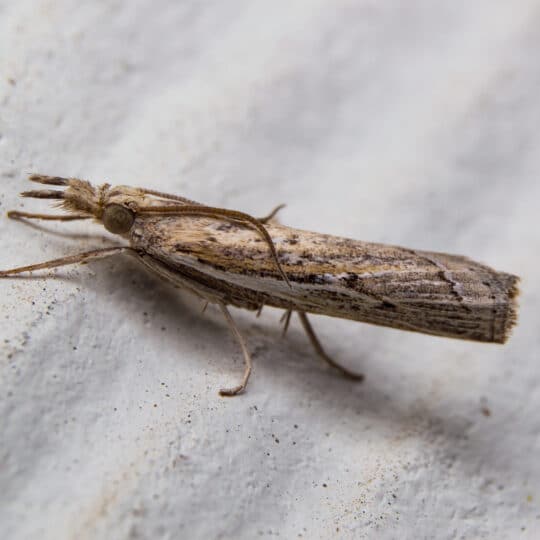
[{"x": 227, "y": 258}]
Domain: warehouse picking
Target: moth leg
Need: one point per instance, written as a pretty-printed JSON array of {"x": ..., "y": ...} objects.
[
  {"x": 272, "y": 214},
  {"x": 64, "y": 261},
  {"x": 15, "y": 214},
  {"x": 286, "y": 319},
  {"x": 247, "y": 357},
  {"x": 322, "y": 353}
]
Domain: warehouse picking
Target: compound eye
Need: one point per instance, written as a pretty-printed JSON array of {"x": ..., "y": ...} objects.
[{"x": 117, "y": 219}]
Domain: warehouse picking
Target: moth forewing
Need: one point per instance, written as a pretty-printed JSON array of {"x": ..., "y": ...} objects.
[
  {"x": 227, "y": 257},
  {"x": 427, "y": 292}
]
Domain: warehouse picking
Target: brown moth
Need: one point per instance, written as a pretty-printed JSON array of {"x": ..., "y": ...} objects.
[{"x": 227, "y": 257}]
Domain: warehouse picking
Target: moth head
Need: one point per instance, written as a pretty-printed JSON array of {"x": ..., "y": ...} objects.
[
  {"x": 118, "y": 207},
  {"x": 115, "y": 207}
]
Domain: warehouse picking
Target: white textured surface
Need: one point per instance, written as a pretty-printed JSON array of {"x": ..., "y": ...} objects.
[{"x": 415, "y": 123}]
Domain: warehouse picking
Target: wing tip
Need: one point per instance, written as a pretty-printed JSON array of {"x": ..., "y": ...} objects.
[{"x": 510, "y": 316}]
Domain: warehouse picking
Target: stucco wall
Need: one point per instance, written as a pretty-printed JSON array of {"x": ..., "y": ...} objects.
[{"x": 414, "y": 123}]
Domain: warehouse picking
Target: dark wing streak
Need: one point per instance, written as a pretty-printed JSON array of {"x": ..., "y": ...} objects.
[{"x": 445, "y": 275}]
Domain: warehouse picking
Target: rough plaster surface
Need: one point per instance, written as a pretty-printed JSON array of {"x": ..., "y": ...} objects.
[{"x": 415, "y": 123}]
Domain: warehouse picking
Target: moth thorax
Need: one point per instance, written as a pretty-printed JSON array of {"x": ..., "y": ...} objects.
[{"x": 117, "y": 219}]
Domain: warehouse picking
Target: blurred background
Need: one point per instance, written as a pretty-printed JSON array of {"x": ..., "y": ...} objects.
[{"x": 413, "y": 123}]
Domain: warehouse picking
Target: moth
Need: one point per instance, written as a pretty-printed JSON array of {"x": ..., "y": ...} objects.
[{"x": 230, "y": 258}]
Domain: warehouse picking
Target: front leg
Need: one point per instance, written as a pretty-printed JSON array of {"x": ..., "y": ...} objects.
[{"x": 65, "y": 261}]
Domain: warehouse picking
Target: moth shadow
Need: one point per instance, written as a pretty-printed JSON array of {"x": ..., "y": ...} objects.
[
  {"x": 384, "y": 402},
  {"x": 289, "y": 361}
]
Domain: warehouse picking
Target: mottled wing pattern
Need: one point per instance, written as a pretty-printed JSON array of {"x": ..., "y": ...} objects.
[{"x": 434, "y": 293}]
